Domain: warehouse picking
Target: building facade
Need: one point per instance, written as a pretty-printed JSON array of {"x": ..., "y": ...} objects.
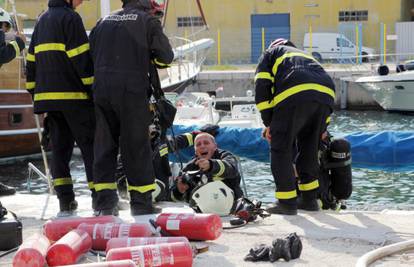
[{"x": 243, "y": 28}]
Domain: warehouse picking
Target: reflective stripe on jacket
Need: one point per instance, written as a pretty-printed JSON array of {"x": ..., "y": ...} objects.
[
  {"x": 59, "y": 65},
  {"x": 287, "y": 75}
]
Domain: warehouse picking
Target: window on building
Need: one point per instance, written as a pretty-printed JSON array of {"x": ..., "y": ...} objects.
[
  {"x": 189, "y": 21},
  {"x": 354, "y": 15}
]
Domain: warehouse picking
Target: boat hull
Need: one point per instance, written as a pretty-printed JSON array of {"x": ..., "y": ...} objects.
[
  {"x": 18, "y": 132},
  {"x": 394, "y": 92}
]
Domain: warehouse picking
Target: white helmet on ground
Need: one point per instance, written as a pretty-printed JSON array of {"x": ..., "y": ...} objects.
[
  {"x": 5, "y": 16},
  {"x": 214, "y": 197}
]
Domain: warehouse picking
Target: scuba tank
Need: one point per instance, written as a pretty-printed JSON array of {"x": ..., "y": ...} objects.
[
  {"x": 340, "y": 168},
  {"x": 335, "y": 178}
]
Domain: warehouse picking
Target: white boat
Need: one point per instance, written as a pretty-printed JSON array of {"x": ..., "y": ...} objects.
[
  {"x": 195, "y": 108},
  {"x": 393, "y": 92},
  {"x": 188, "y": 59},
  {"x": 242, "y": 116}
]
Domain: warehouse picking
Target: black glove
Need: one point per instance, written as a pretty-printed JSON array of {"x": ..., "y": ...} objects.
[
  {"x": 20, "y": 43},
  {"x": 280, "y": 249},
  {"x": 288, "y": 248},
  {"x": 210, "y": 128},
  {"x": 259, "y": 253},
  {"x": 295, "y": 245}
]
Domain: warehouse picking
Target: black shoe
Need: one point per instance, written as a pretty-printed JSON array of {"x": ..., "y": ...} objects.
[
  {"x": 141, "y": 204},
  {"x": 6, "y": 190},
  {"x": 67, "y": 208},
  {"x": 308, "y": 204},
  {"x": 94, "y": 200},
  {"x": 143, "y": 210},
  {"x": 106, "y": 212},
  {"x": 280, "y": 208}
]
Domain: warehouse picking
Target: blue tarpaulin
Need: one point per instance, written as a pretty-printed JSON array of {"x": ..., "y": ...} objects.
[{"x": 386, "y": 150}]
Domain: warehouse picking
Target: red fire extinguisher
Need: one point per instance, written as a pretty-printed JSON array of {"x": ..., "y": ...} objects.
[
  {"x": 122, "y": 242},
  {"x": 194, "y": 226},
  {"x": 69, "y": 248},
  {"x": 123, "y": 263},
  {"x": 161, "y": 255},
  {"x": 55, "y": 229},
  {"x": 32, "y": 253},
  {"x": 101, "y": 233}
]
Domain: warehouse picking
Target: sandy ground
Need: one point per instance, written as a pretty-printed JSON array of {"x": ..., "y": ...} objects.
[{"x": 329, "y": 238}]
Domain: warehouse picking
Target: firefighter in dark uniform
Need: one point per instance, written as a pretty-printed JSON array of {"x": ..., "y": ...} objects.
[
  {"x": 295, "y": 97},
  {"x": 123, "y": 45},
  {"x": 216, "y": 164},
  {"x": 8, "y": 51},
  {"x": 59, "y": 77}
]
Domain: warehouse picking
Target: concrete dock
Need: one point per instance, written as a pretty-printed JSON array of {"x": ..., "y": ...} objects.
[{"x": 329, "y": 238}]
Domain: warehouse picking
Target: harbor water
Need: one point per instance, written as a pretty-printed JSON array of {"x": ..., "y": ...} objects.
[{"x": 372, "y": 189}]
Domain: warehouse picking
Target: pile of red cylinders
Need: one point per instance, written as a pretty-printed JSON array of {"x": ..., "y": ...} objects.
[
  {"x": 126, "y": 245},
  {"x": 101, "y": 233},
  {"x": 194, "y": 226}
]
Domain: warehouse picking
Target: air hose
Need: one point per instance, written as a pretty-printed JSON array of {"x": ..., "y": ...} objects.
[{"x": 382, "y": 252}]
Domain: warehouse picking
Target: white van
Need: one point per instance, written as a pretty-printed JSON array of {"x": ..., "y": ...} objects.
[{"x": 327, "y": 46}]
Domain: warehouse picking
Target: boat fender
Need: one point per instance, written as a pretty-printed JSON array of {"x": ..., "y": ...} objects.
[
  {"x": 101, "y": 233},
  {"x": 339, "y": 165},
  {"x": 194, "y": 226},
  {"x": 400, "y": 68},
  {"x": 383, "y": 70},
  {"x": 55, "y": 229},
  {"x": 69, "y": 248},
  {"x": 178, "y": 254},
  {"x": 123, "y": 263},
  {"x": 32, "y": 252},
  {"x": 122, "y": 242}
]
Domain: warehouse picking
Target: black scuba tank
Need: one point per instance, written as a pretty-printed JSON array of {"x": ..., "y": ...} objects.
[{"x": 339, "y": 164}]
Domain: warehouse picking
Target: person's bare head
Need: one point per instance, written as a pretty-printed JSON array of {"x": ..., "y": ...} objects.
[{"x": 204, "y": 146}]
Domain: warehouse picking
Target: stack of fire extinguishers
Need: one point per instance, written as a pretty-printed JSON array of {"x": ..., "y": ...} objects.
[{"x": 246, "y": 211}]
